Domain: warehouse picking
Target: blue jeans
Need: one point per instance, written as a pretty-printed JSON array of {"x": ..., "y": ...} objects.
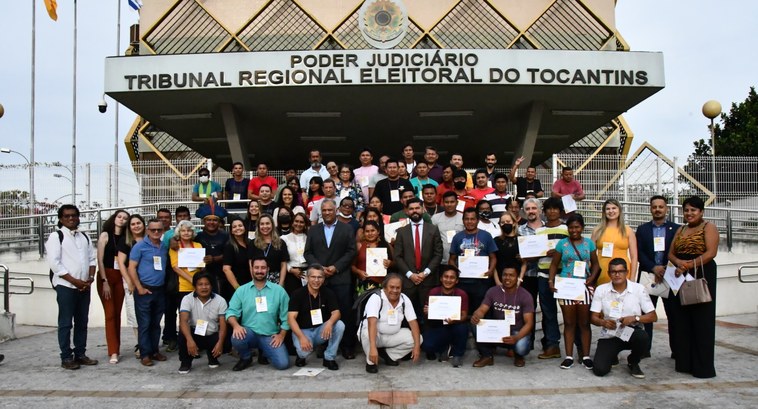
[
  {"x": 278, "y": 356},
  {"x": 522, "y": 346},
  {"x": 438, "y": 339},
  {"x": 550, "y": 330},
  {"x": 149, "y": 310},
  {"x": 314, "y": 335},
  {"x": 73, "y": 312}
]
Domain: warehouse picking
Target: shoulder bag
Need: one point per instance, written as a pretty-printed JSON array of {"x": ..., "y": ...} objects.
[{"x": 695, "y": 291}]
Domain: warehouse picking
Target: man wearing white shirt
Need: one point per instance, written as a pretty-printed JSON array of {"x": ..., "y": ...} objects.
[
  {"x": 330, "y": 192},
  {"x": 316, "y": 169},
  {"x": 71, "y": 257},
  {"x": 449, "y": 222},
  {"x": 381, "y": 332},
  {"x": 621, "y": 307}
]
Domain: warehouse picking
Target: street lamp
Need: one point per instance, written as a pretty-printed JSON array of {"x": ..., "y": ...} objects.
[
  {"x": 711, "y": 110},
  {"x": 31, "y": 177},
  {"x": 58, "y": 175}
]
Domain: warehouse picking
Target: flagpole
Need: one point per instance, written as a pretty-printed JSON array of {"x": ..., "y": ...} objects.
[
  {"x": 32, "y": 202},
  {"x": 115, "y": 144},
  {"x": 73, "y": 136}
]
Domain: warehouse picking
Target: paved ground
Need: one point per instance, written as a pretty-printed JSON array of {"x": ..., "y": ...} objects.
[{"x": 31, "y": 377}]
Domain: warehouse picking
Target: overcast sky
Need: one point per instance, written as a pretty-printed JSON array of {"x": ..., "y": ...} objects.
[{"x": 701, "y": 63}]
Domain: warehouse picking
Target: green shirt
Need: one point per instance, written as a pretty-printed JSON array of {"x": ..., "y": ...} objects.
[{"x": 243, "y": 307}]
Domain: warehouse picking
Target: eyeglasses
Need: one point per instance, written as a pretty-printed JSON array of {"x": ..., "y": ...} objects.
[
  {"x": 154, "y": 230},
  {"x": 616, "y": 272}
]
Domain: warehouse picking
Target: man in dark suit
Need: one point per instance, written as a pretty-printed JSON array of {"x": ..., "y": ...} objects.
[
  {"x": 653, "y": 243},
  {"x": 332, "y": 244},
  {"x": 418, "y": 253}
]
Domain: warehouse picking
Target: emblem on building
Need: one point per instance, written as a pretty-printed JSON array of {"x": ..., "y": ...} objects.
[{"x": 383, "y": 23}]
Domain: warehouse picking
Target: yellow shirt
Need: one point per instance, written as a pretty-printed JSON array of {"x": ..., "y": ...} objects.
[{"x": 184, "y": 285}]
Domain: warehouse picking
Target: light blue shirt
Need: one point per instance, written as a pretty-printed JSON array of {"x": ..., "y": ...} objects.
[{"x": 329, "y": 232}]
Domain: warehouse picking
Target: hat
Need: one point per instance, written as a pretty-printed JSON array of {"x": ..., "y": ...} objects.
[{"x": 211, "y": 209}]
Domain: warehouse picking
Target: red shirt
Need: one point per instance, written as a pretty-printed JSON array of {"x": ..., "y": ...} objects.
[
  {"x": 257, "y": 182},
  {"x": 479, "y": 194},
  {"x": 442, "y": 188}
]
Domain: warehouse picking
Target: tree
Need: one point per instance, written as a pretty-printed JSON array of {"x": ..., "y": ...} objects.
[{"x": 737, "y": 135}]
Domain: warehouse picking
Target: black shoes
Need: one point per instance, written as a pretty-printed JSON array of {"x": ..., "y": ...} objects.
[
  {"x": 69, "y": 364},
  {"x": 331, "y": 365},
  {"x": 387, "y": 360},
  {"x": 300, "y": 362},
  {"x": 85, "y": 360},
  {"x": 348, "y": 354},
  {"x": 636, "y": 371},
  {"x": 262, "y": 359},
  {"x": 371, "y": 368},
  {"x": 243, "y": 364}
]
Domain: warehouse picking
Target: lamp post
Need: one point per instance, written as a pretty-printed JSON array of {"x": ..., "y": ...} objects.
[
  {"x": 31, "y": 177},
  {"x": 712, "y": 109}
]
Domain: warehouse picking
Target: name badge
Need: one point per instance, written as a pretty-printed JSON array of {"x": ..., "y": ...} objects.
[
  {"x": 316, "y": 318},
  {"x": 236, "y": 196},
  {"x": 300, "y": 250},
  {"x": 251, "y": 235},
  {"x": 659, "y": 243},
  {"x": 625, "y": 333},
  {"x": 469, "y": 253},
  {"x": 394, "y": 195},
  {"x": 157, "y": 263},
  {"x": 392, "y": 317},
  {"x": 363, "y": 180},
  {"x": 260, "y": 304},
  {"x": 616, "y": 308},
  {"x": 460, "y": 206},
  {"x": 489, "y": 183},
  {"x": 115, "y": 263},
  {"x": 580, "y": 269},
  {"x": 203, "y": 195},
  {"x": 510, "y": 317},
  {"x": 607, "y": 249},
  {"x": 450, "y": 234},
  {"x": 201, "y": 327}
]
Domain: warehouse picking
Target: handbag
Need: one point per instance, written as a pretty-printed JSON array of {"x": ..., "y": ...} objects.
[
  {"x": 695, "y": 291},
  {"x": 654, "y": 289}
]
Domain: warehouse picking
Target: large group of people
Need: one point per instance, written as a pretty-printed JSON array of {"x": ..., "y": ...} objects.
[{"x": 395, "y": 259}]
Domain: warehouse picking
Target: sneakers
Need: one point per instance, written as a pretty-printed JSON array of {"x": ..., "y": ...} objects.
[
  {"x": 636, "y": 371},
  {"x": 213, "y": 363},
  {"x": 484, "y": 361},
  {"x": 69, "y": 364},
  {"x": 457, "y": 361},
  {"x": 550, "y": 353},
  {"x": 587, "y": 363},
  {"x": 185, "y": 368},
  {"x": 567, "y": 363}
]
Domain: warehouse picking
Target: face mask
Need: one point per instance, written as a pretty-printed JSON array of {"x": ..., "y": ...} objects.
[
  {"x": 285, "y": 219},
  {"x": 345, "y": 216},
  {"x": 485, "y": 214},
  {"x": 203, "y": 179},
  {"x": 459, "y": 185},
  {"x": 507, "y": 228}
]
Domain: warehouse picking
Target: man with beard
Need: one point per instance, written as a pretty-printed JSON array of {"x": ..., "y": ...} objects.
[
  {"x": 490, "y": 160},
  {"x": 316, "y": 169},
  {"x": 391, "y": 189},
  {"x": 528, "y": 185},
  {"x": 418, "y": 253}
]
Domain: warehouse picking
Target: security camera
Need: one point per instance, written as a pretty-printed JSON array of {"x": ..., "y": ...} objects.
[{"x": 102, "y": 106}]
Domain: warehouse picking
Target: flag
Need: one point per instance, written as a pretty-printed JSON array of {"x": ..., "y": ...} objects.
[
  {"x": 135, "y": 4},
  {"x": 51, "y": 5}
]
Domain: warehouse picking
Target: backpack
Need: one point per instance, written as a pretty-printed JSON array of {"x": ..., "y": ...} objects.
[{"x": 60, "y": 240}]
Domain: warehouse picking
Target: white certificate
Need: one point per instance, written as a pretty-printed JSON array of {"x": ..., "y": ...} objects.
[
  {"x": 191, "y": 258},
  {"x": 569, "y": 288},
  {"x": 444, "y": 307},
  {"x": 569, "y": 204},
  {"x": 673, "y": 281},
  {"x": 533, "y": 246},
  {"x": 460, "y": 206},
  {"x": 375, "y": 257},
  {"x": 474, "y": 266},
  {"x": 492, "y": 331},
  {"x": 390, "y": 229}
]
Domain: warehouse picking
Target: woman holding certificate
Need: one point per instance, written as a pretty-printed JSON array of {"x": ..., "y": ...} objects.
[
  {"x": 372, "y": 258},
  {"x": 185, "y": 267},
  {"x": 613, "y": 238},
  {"x": 576, "y": 258},
  {"x": 694, "y": 326}
]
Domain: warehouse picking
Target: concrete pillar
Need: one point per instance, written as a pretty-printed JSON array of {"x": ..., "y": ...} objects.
[
  {"x": 237, "y": 149},
  {"x": 530, "y": 132}
]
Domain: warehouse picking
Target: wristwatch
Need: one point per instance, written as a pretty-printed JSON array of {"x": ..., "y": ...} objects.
[{"x": 637, "y": 318}]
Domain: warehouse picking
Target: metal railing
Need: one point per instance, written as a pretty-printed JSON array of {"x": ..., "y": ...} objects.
[
  {"x": 7, "y": 287},
  {"x": 741, "y": 277}
]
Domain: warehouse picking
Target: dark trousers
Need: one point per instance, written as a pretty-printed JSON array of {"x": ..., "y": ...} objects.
[
  {"x": 438, "y": 339},
  {"x": 475, "y": 288},
  {"x": 206, "y": 342},
  {"x": 530, "y": 284},
  {"x": 173, "y": 299},
  {"x": 344, "y": 293},
  {"x": 608, "y": 349},
  {"x": 419, "y": 294},
  {"x": 73, "y": 312},
  {"x": 149, "y": 310}
]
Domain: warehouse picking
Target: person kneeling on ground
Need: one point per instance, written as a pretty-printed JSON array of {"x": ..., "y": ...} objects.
[
  {"x": 201, "y": 324},
  {"x": 508, "y": 300},
  {"x": 381, "y": 332},
  {"x": 308, "y": 307},
  {"x": 450, "y": 333},
  {"x": 258, "y": 316},
  {"x": 618, "y": 308}
]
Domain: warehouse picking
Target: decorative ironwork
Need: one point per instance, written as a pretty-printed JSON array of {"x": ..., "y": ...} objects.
[
  {"x": 474, "y": 24},
  {"x": 284, "y": 26}
]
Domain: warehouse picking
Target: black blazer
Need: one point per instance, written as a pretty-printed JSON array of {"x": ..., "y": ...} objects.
[
  {"x": 431, "y": 249},
  {"x": 645, "y": 252},
  {"x": 340, "y": 254}
]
